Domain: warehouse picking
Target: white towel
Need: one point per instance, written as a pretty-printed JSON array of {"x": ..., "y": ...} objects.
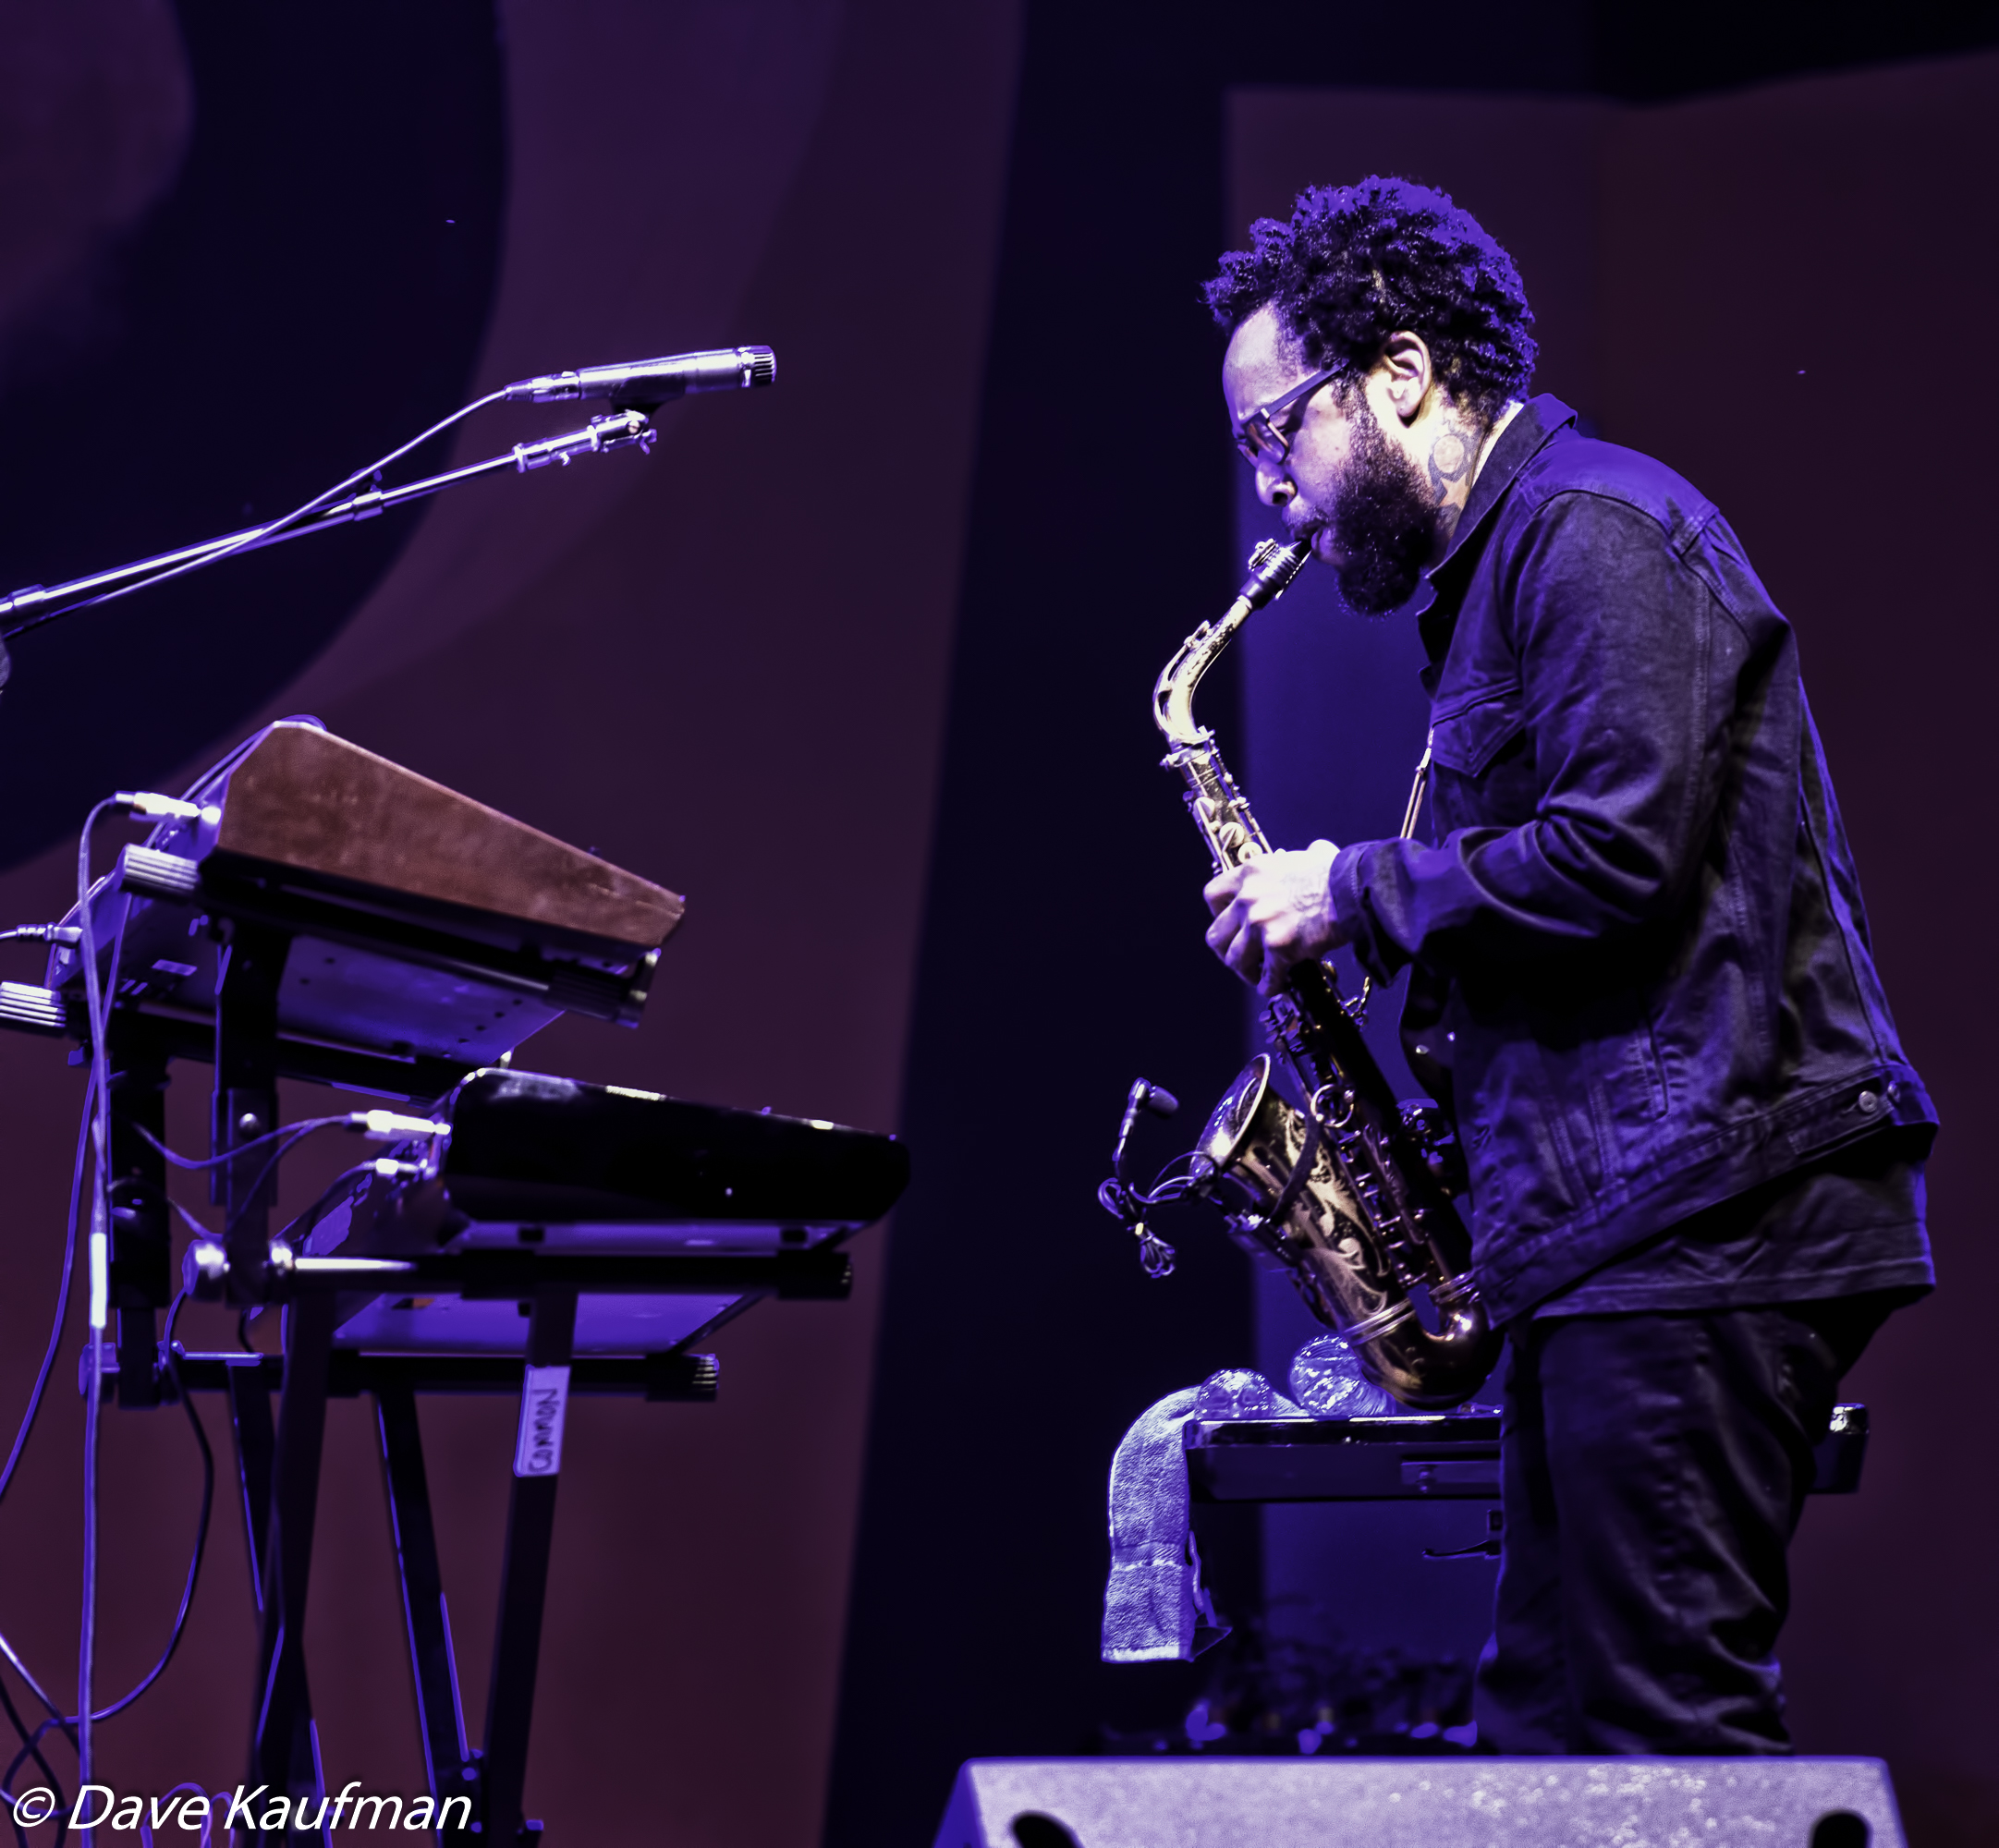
[{"x": 1155, "y": 1608}]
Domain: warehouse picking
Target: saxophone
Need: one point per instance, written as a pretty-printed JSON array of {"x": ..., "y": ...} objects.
[{"x": 1351, "y": 1194}]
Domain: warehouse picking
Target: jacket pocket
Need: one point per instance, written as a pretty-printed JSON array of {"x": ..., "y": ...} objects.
[
  {"x": 1627, "y": 1092},
  {"x": 1525, "y": 1174},
  {"x": 1474, "y": 729}
]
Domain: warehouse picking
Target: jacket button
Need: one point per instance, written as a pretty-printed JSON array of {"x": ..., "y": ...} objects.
[{"x": 1866, "y": 1103}]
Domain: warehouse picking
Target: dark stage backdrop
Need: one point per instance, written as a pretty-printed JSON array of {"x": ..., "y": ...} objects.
[
  {"x": 728, "y": 667},
  {"x": 250, "y": 249},
  {"x": 722, "y": 667}
]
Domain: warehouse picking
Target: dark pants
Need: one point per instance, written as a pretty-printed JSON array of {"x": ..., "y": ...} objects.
[{"x": 1655, "y": 1468}]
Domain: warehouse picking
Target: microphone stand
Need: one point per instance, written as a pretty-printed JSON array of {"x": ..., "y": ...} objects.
[{"x": 622, "y": 430}]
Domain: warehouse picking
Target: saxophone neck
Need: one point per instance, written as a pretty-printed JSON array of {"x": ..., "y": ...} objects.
[
  {"x": 1271, "y": 568},
  {"x": 1172, "y": 693}
]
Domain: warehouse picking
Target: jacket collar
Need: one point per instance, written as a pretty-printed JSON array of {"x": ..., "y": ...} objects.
[
  {"x": 1536, "y": 425},
  {"x": 1540, "y": 421}
]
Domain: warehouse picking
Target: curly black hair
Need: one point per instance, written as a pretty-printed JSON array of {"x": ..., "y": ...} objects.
[{"x": 1357, "y": 263}]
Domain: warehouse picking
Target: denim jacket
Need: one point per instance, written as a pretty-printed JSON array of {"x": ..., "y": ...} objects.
[{"x": 1640, "y": 915}]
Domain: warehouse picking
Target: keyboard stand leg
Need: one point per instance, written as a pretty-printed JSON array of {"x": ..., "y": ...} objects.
[
  {"x": 440, "y": 1713},
  {"x": 284, "y": 1743},
  {"x": 141, "y": 1238},
  {"x": 249, "y": 1418},
  {"x": 245, "y": 1102},
  {"x": 530, "y": 1527}
]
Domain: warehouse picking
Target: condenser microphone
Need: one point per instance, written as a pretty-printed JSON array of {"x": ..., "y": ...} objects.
[
  {"x": 1143, "y": 1095},
  {"x": 641, "y": 384}
]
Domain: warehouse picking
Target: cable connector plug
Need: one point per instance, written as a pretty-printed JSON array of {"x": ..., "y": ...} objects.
[
  {"x": 155, "y": 807},
  {"x": 388, "y": 1126},
  {"x": 44, "y": 934}
]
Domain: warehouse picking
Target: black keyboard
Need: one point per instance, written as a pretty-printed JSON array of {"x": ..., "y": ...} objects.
[{"x": 704, "y": 1207}]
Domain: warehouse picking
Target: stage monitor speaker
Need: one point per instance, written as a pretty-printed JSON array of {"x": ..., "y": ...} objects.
[{"x": 1423, "y": 1802}]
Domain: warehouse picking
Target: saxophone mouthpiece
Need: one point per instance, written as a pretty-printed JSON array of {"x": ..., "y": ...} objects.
[{"x": 1272, "y": 568}]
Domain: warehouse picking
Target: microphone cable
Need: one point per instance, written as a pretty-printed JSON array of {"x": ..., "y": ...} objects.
[
  {"x": 70, "y": 1723},
  {"x": 95, "y": 1137},
  {"x": 66, "y": 1723},
  {"x": 62, "y": 1306},
  {"x": 99, "y": 1118},
  {"x": 31, "y": 1743}
]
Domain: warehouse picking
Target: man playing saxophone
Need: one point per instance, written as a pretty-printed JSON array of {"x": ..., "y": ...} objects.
[{"x": 1642, "y": 984}]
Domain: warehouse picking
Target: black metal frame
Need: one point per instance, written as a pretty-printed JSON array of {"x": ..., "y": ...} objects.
[
  {"x": 448, "y": 1764},
  {"x": 1447, "y": 1456},
  {"x": 516, "y": 1641},
  {"x": 278, "y": 1461},
  {"x": 142, "y": 1232},
  {"x": 278, "y": 1473}
]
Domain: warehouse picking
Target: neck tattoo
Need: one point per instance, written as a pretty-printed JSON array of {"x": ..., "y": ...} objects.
[
  {"x": 1454, "y": 454},
  {"x": 1451, "y": 456}
]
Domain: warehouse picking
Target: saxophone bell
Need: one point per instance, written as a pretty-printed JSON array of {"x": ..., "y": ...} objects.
[{"x": 1321, "y": 1198}]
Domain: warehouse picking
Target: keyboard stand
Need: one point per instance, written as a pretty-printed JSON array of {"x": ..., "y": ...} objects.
[{"x": 280, "y": 1462}]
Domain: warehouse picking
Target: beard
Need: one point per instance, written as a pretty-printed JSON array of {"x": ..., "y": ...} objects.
[{"x": 1383, "y": 523}]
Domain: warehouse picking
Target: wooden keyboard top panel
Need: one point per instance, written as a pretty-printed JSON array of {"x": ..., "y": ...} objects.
[{"x": 309, "y": 803}]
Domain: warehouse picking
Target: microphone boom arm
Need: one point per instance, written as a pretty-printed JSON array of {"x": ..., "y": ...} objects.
[
  {"x": 29, "y": 608},
  {"x": 634, "y": 390}
]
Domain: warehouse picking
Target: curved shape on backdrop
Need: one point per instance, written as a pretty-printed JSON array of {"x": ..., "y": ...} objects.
[
  {"x": 192, "y": 339},
  {"x": 638, "y": 218}
]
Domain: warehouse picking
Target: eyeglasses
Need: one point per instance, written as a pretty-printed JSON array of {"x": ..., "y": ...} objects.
[{"x": 1260, "y": 433}]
